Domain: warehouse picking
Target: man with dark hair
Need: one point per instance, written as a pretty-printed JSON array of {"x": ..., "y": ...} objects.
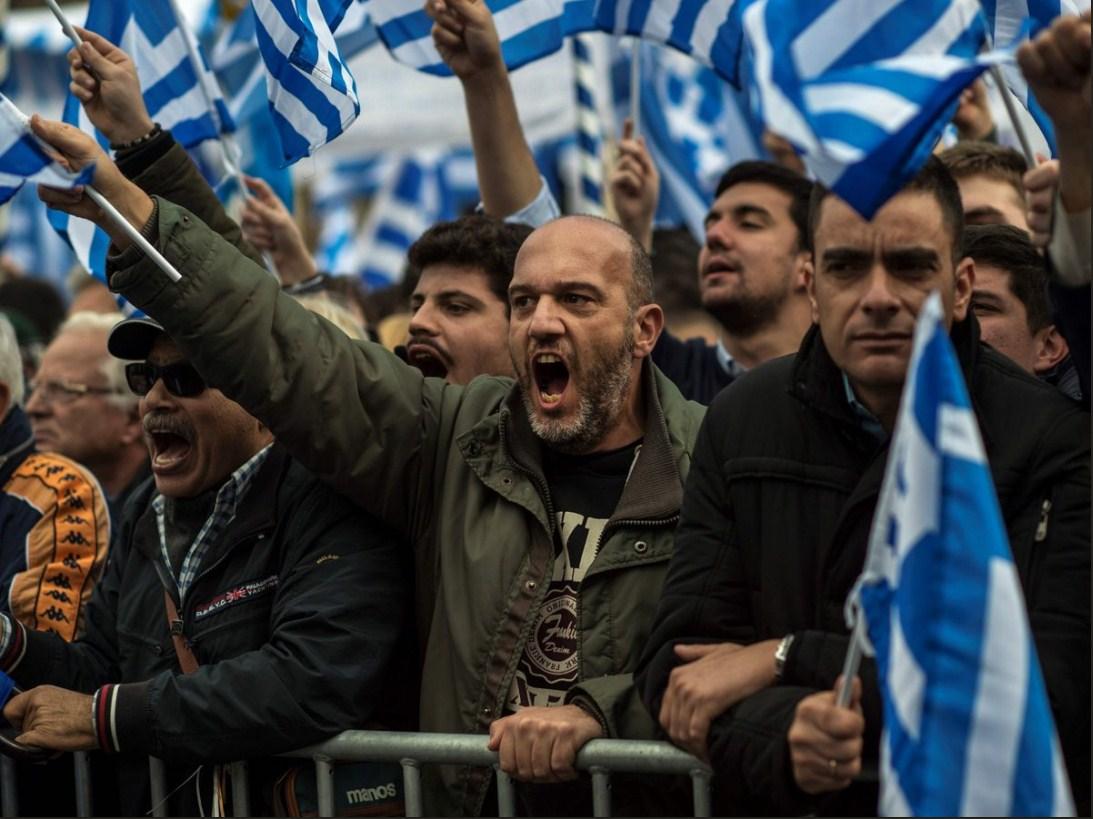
[
  {"x": 773, "y": 533},
  {"x": 989, "y": 177},
  {"x": 459, "y": 307},
  {"x": 1010, "y": 300}
]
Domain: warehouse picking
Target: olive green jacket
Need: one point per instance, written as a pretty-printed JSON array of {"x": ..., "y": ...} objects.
[{"x": 457, "y": 469}]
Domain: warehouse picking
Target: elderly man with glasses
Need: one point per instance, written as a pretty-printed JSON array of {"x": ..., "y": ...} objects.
[
  {"x": 280, "y": 603},
  {"x": 79, "y": 405}
]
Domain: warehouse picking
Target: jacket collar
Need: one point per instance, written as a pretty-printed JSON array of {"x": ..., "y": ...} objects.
[
  {"x": 16, "y": 442},
  {"x": 818, "y": 382},
  {"x": 654, "y": 489}
]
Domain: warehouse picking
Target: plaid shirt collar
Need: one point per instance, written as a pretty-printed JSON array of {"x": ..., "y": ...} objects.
[{"x": 228, "y": 499}]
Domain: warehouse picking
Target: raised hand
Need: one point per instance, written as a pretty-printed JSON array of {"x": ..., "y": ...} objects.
[
  {"x": 269, "y": 226},
  {"x": 464, "y": 34},
  {"x": 635, "y": 186},
  {"x": 110, "y": 91}
]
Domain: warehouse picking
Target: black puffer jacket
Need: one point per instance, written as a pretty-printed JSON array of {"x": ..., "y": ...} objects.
[
  {"x": 773, "y": 535},
  {"x": 294, "y": 619}
]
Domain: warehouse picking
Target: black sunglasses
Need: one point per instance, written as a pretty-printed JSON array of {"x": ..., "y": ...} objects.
[{"x": 180, "y": 379}]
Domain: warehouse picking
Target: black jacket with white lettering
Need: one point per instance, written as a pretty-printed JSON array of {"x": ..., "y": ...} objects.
[
  {"x": 294, "y": 619},
  {"x": 773, "y": 534}
]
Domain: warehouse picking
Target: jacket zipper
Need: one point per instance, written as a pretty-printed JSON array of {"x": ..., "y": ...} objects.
[{"x": 1041, "y": 527}]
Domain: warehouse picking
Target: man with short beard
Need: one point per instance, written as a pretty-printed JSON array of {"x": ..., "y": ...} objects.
[{"x": 541, "y": 512}]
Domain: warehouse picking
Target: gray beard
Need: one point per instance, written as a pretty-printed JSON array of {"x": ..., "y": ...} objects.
[{"x": 599, "y": 406}]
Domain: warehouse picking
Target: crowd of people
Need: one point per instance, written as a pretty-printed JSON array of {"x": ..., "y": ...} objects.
[{"x": 536, "y": 508}]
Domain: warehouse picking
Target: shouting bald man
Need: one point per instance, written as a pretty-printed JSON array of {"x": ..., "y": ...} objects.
[{"x": 542, "y": 510}]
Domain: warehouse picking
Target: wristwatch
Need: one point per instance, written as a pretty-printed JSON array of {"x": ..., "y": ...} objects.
[{"x": 780, "y": 655}]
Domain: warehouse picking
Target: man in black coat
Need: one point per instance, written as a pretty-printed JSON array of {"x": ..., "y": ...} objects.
[
  {"x": 281, "y": 604},
  {"x": 778, "y": 506}
]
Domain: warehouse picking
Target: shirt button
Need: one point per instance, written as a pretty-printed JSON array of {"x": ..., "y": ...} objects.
[
  {"x": 641, "y": 547},
  {"x": 486, "y": 710},
  {"x": 530, "y": 585}
]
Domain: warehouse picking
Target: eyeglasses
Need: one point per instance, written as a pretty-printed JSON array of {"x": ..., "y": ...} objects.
[
  {"x": 180, "y": 379},
  {"x": 65, "y": 392}
]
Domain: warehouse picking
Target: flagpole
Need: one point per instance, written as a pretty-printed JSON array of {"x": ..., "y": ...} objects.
[
  {"x": 1011, "y": 109},
  {"x": 233, "y": 169},
  {"x": 132, "y": 233},
  {"x": 69, "y": 30},
  {"x": 635, "y": 86},
  {"x": 851, "y": 664}
]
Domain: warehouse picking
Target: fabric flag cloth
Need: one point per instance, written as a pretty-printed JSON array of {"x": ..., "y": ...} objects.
[
  {"x": 312, "y": 95},
  {"x": 710, "y": 31},
  {"x": 528, "y": 29},
  {"x": 695, "y": 126},
  {"x": 967, "y": 726},
  {"x": 239, "y": 67},
  {"x": 181, "y": 94},
  {"x": 1006, "y": 21},
  {"x": 23, "y": 159},
  {"x": 863, "y": 88}
]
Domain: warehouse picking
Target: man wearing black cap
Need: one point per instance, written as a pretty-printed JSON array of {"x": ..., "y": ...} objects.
[{"x": 279, "y": 601}]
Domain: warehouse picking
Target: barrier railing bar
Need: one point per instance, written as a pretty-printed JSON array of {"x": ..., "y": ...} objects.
[
  {"x": 506, "y": 794},
  {"x": 157, "y": 779},
  {"x": 81, "y": 769},
  {"x": 617, "y": 755},
  {"x": 411, "y": 786},
  {"x": 601, "y": 791},
  {"x": 9, "y": 796},
  {"x": 700, "y": 789},
  {"x": 324, "y": 782},
  {"x": 240, "y": 789}
]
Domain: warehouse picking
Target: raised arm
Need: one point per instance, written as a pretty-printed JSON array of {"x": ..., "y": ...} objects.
[{"x": 466, "y": 38}]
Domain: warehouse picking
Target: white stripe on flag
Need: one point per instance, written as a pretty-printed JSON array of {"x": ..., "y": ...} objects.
[
  {"x": 908, "y": 683},
  {"x": 958, "y": 434},
  {"x": 885, "y": 109},
  {"x": 999, "y": 698},
  {"x": 829, "y": 36},
  {"x": 707, "y": 25}
]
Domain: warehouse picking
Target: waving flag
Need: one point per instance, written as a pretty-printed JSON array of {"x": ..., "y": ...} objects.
[
  {"x": 529, "y": 29},
  {"x": 695, "y": 126},
  {"x": 238, "y": 64},
  {"x": 1006, "y": 20},
  {"x": 863, "y": 88},
  {"x": 312, "y": 95},
  {"x": 967, "y": 726},
  {"x": 23, "y": 159},
  {"x": 180, "y": 92}
]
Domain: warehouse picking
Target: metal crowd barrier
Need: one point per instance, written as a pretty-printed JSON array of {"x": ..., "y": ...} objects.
[{"x": 600, "y": 757}]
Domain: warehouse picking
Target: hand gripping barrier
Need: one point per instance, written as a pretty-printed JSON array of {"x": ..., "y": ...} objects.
[{"x": 600, "y": 757}]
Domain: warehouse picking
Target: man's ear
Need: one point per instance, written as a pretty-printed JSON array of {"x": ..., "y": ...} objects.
[
  {"x": 648, "y": 324},
  {"x": 133, "y": 426},
  {"x": 1051, "y": 349},
  {"x": 801, "y": 263},
  {"x": 808, "y": 272},
  {"x": 962, "y": 288}
]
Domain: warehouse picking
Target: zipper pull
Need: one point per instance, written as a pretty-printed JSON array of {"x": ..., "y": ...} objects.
[{"x": 1041, "y": 527}]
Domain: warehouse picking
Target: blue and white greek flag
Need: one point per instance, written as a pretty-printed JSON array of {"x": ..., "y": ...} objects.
[
  {"x": 695, "y": 126},
  {"x": 589, "y": 128},
  {"x": 23, "y": 159},
  {"x": 312, "y": 95},
  {"x": 1006, "y": 19},
  {"x": 180, "y": 93},
  {"x": 529, "y": 29},
  {"x": 967, "y": 726},
  {"x": 242, "y": 73},
  {"x": 711, "y": 31},
  {"x": 863, "y": 88}
]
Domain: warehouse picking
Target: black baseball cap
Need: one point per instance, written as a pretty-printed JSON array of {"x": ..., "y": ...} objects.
[{"x": 133, "y": 338}]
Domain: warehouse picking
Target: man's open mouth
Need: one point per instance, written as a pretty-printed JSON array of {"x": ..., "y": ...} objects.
[
  {"x": 427, "y": 359},
  {"x": 551, "y": 376},
  {"x": 169, "y": 442}
]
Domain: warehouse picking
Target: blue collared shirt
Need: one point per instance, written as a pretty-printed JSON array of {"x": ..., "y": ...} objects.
[{"x": 866, "y": 420}]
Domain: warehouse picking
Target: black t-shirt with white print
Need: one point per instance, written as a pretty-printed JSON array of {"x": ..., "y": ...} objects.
[{"x": 585, "y": 490}]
